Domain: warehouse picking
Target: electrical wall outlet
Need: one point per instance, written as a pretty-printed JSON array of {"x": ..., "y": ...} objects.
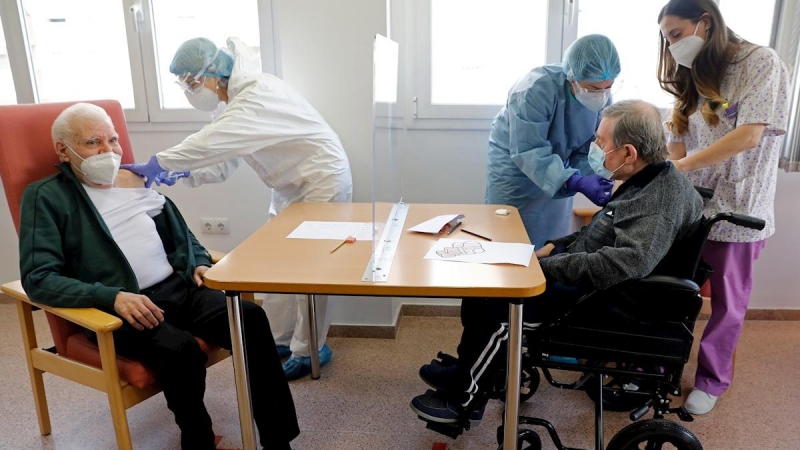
[{"x": 219, "y": 225}]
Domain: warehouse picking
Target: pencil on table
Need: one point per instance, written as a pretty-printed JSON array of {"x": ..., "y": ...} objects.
[
  {"x": 349, "y": 240},
  {"x": 476, "y": 234}
]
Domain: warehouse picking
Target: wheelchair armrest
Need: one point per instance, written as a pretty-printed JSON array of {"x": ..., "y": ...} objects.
[
  {"x": 659, "y": 298},
  {"x": 662, "y": 282}
]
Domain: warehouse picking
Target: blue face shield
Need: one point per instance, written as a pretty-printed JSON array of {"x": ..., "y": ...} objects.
[{"x": 597, "y": 160}]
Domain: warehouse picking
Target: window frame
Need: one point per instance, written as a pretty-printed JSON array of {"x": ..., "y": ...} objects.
[
  {"x": 142, "y": 53},
  {"x": 563, "y": 17},
  {"x": 421, "y": 103}
]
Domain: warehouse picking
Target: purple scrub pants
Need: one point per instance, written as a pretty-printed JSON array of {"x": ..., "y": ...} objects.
[{"x": 731, "y": 284}]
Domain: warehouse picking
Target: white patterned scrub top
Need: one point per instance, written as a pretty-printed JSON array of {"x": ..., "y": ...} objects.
[{"x": 757, "y": 91}]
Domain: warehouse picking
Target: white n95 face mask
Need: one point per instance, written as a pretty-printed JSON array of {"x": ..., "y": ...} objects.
[
  {"x": 203, "y": 98},
  {"x": 686, "y": 50},
  {"x": 99, "y": 169}
]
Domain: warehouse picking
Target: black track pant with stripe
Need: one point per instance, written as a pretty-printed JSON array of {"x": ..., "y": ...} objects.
[{"x": 482, "y": 350}]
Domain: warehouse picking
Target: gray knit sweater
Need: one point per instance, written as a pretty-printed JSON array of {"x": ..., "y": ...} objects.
[{"x": 627, "y": 238}]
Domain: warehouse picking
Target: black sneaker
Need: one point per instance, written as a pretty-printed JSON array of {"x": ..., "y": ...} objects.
[
  {"x": 437, "y": 375},
  {"x": 434, "y": 406}
]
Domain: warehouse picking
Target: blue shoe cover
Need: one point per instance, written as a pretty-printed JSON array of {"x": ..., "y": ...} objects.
[{"x": 296, "y": 367}]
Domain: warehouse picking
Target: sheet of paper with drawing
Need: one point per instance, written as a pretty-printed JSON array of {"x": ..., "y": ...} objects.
[
  {"x": 437, "y": 224},
  {"x": 481, "y": 252},
  {"x": 362, "y": 231}
]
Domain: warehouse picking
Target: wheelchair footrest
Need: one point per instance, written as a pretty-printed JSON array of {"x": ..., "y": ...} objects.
[
  {"x": 682, "y": 414},
  {"x": 450, "y": 430}
]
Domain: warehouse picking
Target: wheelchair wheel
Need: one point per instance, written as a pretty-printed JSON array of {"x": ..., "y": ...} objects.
[
  {"x": 529, "y": 383},
  {"x": 615, "y": 397},
  {"x": 526, "y": 440},
  {"x": 657, "y": 434}
]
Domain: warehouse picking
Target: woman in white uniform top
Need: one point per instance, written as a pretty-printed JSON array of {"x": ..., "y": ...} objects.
[{"x": 258, "y": 119}]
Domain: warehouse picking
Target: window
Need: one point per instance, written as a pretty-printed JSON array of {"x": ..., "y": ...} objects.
[
  {"x": 121, "y": 49},
  {"x": 7, "y": 96},
  {"x": 176, "y": 23},
  {"x": 752, "y": 24},
  {"x": 68, "y": 59},
  {"x": 470, "y": 52},
  {"x": 479, "y": 48},
  {"x": 639, "y": 57}
]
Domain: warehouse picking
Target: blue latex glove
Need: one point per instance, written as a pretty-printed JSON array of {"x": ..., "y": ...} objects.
[
  {"x": 149, "y": 170},
  {"x": 170, "y": 179},
  {"x": 596, "y": 188}
]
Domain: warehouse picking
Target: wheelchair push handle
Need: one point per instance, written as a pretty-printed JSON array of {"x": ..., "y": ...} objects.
[{"x": 743, "y": 220}]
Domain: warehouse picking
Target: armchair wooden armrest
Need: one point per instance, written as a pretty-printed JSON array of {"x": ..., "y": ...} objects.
[
  {"x": 216, "y": 255},
  {"x": 90, "y": 318}
]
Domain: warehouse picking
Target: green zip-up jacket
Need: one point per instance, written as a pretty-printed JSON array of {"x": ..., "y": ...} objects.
[{"x": 68, "y": 257}]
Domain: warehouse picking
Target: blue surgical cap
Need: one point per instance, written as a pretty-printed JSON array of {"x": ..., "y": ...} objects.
[
  {"x": 592, "y": 58},
  {"x": 200, "y": 56}
]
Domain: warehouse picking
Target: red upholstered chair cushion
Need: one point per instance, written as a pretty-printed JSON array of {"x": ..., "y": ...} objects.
[{"x": 80, "y": 348}]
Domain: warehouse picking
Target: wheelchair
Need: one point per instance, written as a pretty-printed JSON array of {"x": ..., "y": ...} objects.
[{"x": 631, "y": 361}]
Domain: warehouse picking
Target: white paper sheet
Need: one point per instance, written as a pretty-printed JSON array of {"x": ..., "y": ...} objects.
[
  {"x": 481, "y": 252},
  {"x": 332, "y": 230},
  {"x": 435, "y": 225}
]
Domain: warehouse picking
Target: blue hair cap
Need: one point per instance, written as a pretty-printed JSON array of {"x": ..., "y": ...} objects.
[
  {"x": 592, "y": 58},
  {"x": 200, "y": 56}
]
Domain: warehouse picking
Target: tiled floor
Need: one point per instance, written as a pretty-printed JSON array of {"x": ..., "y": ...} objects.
[{"x": 362, "y": 400}]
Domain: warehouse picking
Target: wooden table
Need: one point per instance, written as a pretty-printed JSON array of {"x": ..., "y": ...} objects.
[{"x": 268, "y": 262}]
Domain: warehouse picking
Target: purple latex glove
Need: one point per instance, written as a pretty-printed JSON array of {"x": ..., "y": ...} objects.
[
  {"x": 149, "y": 170},
  {"x": 596, "y": 188},
  {"x": 170, "y": 179}
]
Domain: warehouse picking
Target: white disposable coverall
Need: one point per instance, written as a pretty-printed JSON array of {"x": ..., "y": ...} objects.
[{"x": 271, "y": 127}]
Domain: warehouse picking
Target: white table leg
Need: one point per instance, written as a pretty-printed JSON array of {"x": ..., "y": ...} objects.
[
  {"x": 514, "y": 373},
  {"x": 240, "y": 371},
  {"x": 312, "y": 333}
]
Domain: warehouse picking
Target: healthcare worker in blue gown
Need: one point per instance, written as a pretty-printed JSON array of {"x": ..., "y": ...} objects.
[{"x": 539, "y": 144}]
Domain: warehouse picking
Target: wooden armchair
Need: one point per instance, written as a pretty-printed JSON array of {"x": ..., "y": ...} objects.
[{"x": 27, "y": 155}]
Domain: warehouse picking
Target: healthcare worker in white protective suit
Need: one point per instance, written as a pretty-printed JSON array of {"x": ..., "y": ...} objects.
[{"x": 258, "y": 119}]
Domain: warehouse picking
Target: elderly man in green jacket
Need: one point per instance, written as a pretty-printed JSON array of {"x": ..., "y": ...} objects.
[{"x": 94, "y": 236}]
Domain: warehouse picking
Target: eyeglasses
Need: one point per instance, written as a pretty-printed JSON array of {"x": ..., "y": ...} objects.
[
  {"x": 613, "y": 89},
  {"x": 188, "y": 83}
]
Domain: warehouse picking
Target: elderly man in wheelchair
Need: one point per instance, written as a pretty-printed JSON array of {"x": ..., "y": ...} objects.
[{"x": 620, "y": 305}]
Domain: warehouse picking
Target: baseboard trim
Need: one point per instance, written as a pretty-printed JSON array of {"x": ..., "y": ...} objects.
[
  {"x": 772, "y": 314},
  {"x": 431, "y": 310},
  {"x": 363, "y": 331},
  {"x": 390, "y": 332},
  {"x": 367, "y": 331},
  {"x": 455, "y": 311}
]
